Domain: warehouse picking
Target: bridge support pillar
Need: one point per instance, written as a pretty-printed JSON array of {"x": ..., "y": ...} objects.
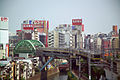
[
  {"x": 89, "y": 66},
  {"x": 70, "y": 66},
  {"x": 43, "y": 71},
  {"x": 79, "y": 67}
]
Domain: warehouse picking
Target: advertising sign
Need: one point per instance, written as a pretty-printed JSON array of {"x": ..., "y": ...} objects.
[
  {"x": 38, "y": 22},
  {"x": 76, "y": 21},
  {"x": 28, "y": 26},
  {"x": 5, "y": 19},
  {"x": 30, "y": 22},
  {"x": 3, "y": 23},
  {"x": 82, "y": 27},
  {"x": 38, "y": 25},
  {"x": 7, "y": 50},
  {"x": 18, "y": 30},
  {"x": 47, "y": 25}
]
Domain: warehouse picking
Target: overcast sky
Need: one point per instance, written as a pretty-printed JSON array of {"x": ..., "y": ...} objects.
[{"x": 97, "y": 15}]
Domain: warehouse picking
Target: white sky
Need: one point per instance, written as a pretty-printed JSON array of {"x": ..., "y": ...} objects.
[{"x": 97, "y": 15}]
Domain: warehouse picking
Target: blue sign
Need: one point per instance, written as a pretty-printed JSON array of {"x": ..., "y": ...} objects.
[
  {"x": 73, "y": 27},
  {"x": 30, "y": 21}
]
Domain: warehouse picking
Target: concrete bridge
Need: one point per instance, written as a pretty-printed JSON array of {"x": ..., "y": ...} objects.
[{"x": 76, "y": 57}]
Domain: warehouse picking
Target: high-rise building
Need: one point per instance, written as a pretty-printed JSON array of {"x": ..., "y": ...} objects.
[
  {"x": 36, "y": 30},
  {"x": 115, "y": 28},
  {"x": 4, "y": 39},
  {"x": 77, "y": 29},
  {"x": 60, "y": 37},
  {"x": 115, "y": 43},
  {"x": 53, "y": 39},
  {"x": 114, "y": 32}
]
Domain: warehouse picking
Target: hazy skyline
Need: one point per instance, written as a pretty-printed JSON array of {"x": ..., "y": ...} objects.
[{"x": 97, "y": 15}]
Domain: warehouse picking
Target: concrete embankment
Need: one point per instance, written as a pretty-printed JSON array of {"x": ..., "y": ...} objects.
[
  {"x": 45, "y": 75},
  {"x": 36, "y": 77},
  {"x": 53, "y": 71}
]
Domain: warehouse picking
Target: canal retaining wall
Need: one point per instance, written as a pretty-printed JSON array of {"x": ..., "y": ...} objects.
[{"x": 45, "y": 74}]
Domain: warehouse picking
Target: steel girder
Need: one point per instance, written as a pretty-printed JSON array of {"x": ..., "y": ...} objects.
[{"x": 27, "y": 46}]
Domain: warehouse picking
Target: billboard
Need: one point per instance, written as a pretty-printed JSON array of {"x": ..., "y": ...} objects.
[
  {"x": 18, "y": 30},
  {"x": 28, "y": 26},
  {"x": 5, "y": 19},
  {"x": 7, "y": 50},
  {"x": 73, "y": 28},
  {"x": 39, "y": 22},
  {"x": 76, "y": 21},
  {"x": 4, "y": 23},
  {"x": 82, "y": 27}
]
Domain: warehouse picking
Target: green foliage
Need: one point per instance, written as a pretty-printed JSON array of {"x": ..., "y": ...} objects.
[
  {"x": 118, "y": 56},
  {"x": 86, "y": 74},
  {"x": 37, "y": 70},
  {"x": 7, "y": 77},
  {"x": 71, "y": 76},
  {"x": 22, "y": 78},
  {"x": 97, "y": 72},
  {"x": 81, "y": 60}
]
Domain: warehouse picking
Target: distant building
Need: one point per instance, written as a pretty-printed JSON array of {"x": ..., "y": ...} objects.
[
  {"x": 60, "y": 37},
  {"x": 4, "y": 38},
  {"x": 53, "y": 39},
  {"x": 115, "y": 43},
  {"x": 56, "y": 39},
  {"x": 19, "y": 34},
  {"x": 114, "y": 32},
  {"x": 106, "y": 45},
  {"x": 35, "y": 29},
  {"x": 77, "y": 29}
]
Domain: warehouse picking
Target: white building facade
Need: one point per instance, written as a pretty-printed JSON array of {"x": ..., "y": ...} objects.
[
  {"x": 60, "y": 37},
  {"x": 4, "y": 38}
]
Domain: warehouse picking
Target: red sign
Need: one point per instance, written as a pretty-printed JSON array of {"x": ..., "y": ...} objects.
[
  {"x": 18, "y": 30},
  {"x": 7, "y": 50},
  {"x": 82, "y": 27},
  {"x": 76, "y": 21},
  {"x": 47, "y": 25},
  {"x": 39, "y": 22},
  {"x": 28, "y": 26},
  {"x": 4, "y": 19}
]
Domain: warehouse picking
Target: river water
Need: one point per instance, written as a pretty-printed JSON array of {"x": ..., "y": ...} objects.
[{"x": 59, "y": 76}]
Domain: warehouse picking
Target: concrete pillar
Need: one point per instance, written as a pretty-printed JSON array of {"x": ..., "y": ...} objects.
[
  {"x": 25, "y": 70},
  {"x": 12, "y": 71},
  {"x": 18, "y": 70}
]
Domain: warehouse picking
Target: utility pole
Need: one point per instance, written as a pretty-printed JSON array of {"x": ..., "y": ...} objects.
[
  {"x": 79, "y": 56},
  {"x": 111, "y": 69},
  {"x": 111, "y": 66},
  {"x": 89, "y": 65},
  {"x": 89, "y": 62},
  {"x": 70, "y": 66}
]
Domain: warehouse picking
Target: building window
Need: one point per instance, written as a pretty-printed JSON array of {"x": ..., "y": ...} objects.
[{"x": 1, "y": 46}]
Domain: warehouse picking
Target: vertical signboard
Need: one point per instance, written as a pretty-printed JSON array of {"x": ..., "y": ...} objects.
[
  {"x": 82, "y": 27},
  {"x": 47, "y": 25}
]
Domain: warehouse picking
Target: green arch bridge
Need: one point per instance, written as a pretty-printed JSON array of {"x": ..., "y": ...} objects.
[{"x": 28, "y": 46}]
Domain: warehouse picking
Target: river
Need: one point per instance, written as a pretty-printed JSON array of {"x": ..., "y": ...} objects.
[{"x": 59, "y": 76}]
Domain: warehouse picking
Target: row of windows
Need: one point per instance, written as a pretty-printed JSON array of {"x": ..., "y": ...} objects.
[
  {"x": 31, "y": 26},
  {"x": 27, "y": 25}
]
